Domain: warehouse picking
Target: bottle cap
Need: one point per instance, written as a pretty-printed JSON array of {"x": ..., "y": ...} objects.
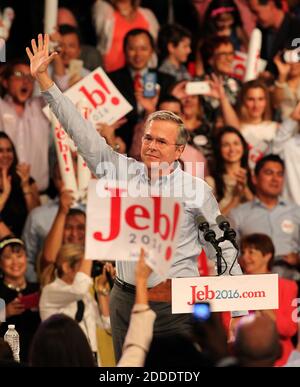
[{"x": 11, "y": 326}]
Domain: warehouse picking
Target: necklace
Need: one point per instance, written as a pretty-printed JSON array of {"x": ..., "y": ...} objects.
[{"x": 14, "y": 287}]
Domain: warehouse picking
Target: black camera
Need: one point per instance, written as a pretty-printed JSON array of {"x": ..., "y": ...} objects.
[{"x": 97, "y": 268}]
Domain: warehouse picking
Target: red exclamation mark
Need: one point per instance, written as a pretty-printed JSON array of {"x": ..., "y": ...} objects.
[
  {"x": 86, "y": 113},
  {"x": 98, "y": 78},
  {"x": 176, "y": 217},
  {"x": 66, "y": 162}
]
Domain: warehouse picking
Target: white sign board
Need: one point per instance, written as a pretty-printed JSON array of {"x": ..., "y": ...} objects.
[
  {"x": 97, "y": 98},
  {"x": 118, "y": 226},
  {"x": 226, "y": 293},
  {"x": 239, "y": 65}
]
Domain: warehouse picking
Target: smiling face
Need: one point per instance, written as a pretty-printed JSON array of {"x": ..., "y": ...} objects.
[
  {"x": 253, "y": 261},
  {"x": 158, "y": 145},
  {"x": 181, "y": 51},
  {"x": 74, "y": 230},
  {"x": 138, "y": 51},
  {"x": 20, "y": 84},
  {"x": 222, "y": 59},
  {"x": 13, "y": 263},
  {"x": 231, "y": 148},
  {"x": 6, "y": 153}
]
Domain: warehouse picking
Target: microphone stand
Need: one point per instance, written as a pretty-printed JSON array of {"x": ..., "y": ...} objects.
[{"x": 210, "y": 236}]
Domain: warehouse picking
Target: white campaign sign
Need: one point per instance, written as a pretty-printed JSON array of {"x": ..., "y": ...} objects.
[
  {"x": 226, "y": 293},
  {"x": 118, "y": 226},
  {"x": 239, "y": 65},
  {"x": 98, "y": 95}
]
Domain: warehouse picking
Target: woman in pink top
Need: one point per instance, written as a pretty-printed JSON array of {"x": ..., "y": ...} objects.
[{"x": 112, "y": 22}]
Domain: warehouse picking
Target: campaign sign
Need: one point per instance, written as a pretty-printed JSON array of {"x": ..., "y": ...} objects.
[
  {"x": 118, "y": 225},
  {"x": 226, "y": 293}
]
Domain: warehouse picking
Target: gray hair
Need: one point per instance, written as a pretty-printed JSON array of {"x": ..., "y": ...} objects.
[{"x": 165, "y": 115}]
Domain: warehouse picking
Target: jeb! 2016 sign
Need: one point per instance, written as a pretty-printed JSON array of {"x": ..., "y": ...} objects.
[{"x": 119, "y": 225}]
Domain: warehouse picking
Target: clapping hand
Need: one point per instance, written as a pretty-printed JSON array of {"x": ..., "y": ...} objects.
[{"x": 23, "y": 171}]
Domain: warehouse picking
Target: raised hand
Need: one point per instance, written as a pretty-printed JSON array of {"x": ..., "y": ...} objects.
[
  {"x": 39, "y": 56},
  {"x": 283, "y": 68},
  {"x": 142, "y": 270},
  {"x": 23, "y": 170},
  {"x": 216, "y": 87}
]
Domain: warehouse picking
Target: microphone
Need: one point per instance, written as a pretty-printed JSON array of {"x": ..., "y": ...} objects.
[
  {"x": 229, "y": 232},
  {"x": 208, "y": 234}
]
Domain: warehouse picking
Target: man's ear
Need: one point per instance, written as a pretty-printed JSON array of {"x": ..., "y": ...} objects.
[
  {"x": 180, "y": 149},
  {"x": 171, "y": 47}
]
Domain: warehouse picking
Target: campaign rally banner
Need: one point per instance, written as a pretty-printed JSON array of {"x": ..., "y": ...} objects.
[
  {"x": 226, "y": 293},
  {"x": 240, "y": 65},
  {"x": 118, "y": 225}
]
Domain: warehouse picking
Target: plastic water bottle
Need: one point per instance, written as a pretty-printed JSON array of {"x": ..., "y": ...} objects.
[{"x": 13, "y": 339}]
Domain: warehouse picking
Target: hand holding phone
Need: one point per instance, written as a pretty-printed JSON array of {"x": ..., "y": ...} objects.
[{"x": 149, "y": 81}]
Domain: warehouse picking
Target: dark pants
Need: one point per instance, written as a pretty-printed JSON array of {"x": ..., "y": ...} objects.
[{"x": 166, "y": 323}]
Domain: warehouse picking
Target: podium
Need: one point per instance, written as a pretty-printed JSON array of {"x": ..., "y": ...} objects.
[{"x": 226, "y": 293}]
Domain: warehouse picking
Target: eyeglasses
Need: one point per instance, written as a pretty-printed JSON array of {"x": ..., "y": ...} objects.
[
  {"x": 20, "y": 75},
  {"x": 160, "y": 142}
]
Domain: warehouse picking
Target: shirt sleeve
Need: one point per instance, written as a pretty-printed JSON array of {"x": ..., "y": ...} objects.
[
  {"x": 285, "y": 131},
  {"x": 56, "y": 296},
  {"x": 100, "y": 157},
  {"x": 138, "y": 337}
]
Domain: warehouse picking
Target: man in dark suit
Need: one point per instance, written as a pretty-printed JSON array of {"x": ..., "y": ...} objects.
[
  {"x": 139, "y": 50},
  {"x": 279, "y": 29}
]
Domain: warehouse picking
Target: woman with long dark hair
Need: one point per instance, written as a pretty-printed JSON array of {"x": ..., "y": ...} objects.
[
  {"x": 231, "y": 177},
  {"x": 18, "y": 191}
]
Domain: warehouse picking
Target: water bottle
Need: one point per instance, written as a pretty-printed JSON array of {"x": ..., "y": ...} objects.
[{"x": 12, "y": 337}]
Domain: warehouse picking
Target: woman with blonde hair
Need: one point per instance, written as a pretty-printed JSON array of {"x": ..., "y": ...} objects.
[
  {"x": 67, "y": 284},
  {"x": 113, "y": 19}
]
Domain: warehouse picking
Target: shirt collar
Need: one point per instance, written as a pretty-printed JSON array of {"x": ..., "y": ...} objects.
[
  {"x": 134, "y": 72},
  {"x": 166, "y": 178},
  {"x": 257, "y": 202}
]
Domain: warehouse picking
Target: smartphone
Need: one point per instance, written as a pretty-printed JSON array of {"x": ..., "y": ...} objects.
[
  {"x": 201, "y": 311},
  {"x": 75, "y": 67},
  {"x": 30, "y": 301},
  {"x": 149, "y": 82},
  {"x": 197, "y": 88}
]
